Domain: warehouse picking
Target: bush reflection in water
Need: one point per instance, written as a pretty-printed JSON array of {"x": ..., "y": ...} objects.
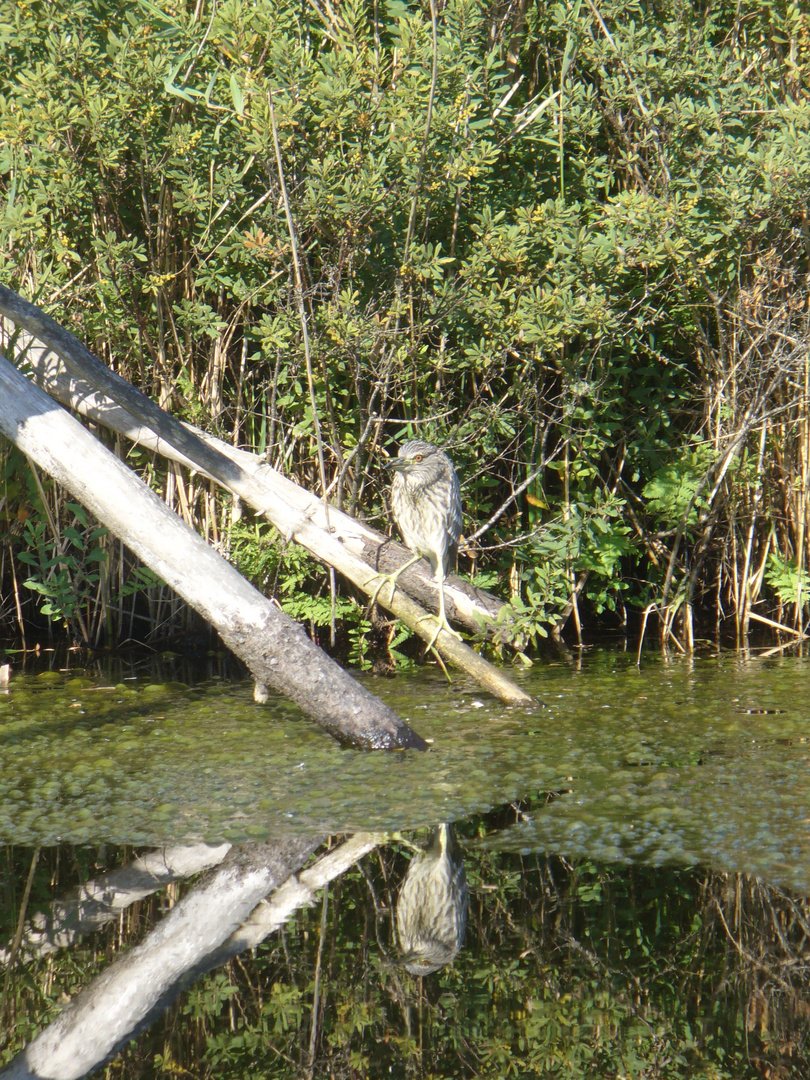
[{"x": 569, "y": 969}]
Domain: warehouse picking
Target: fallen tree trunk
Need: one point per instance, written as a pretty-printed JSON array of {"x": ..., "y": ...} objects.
[
  {"x": 103, "y": 899},
  {"x": 274, "y": 647},
  {"x": 82, "y": 363},
  {"x": 93, "y": 386},
  {"x": 467, "y": 606},
  {"x": 333, "y": 537}
]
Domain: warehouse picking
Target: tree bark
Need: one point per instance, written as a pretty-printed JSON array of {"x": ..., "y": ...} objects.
[{"x": 275, "y": 649}]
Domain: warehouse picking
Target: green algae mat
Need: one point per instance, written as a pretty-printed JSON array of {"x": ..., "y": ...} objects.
[{"x": 678, "y": 761}]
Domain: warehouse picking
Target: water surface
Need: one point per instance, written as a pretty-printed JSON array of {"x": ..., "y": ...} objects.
[{"x": 679, "y": 760}]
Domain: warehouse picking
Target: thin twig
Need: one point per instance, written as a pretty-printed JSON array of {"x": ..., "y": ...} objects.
[
  {"x": 515, "y": 495},
  {"x": 434, "y": 77},
  {"x": 302, "y": 315},
  {"x": 18, "y": 933},
  {"x": 316, "y": 992}
]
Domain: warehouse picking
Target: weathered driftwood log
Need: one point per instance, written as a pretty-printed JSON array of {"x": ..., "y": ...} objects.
[
  {"x": 130, "y": 994},
  {"x": 468, "y": 606},
  {"x": 333, "y": 537},
  {"x": 81, "y": 361},
  {"x": 96, "y": 384},
  {"x": 274, "y": 647}
]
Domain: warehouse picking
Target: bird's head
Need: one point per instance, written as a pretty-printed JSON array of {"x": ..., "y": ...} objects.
[
  {"x": 419, "y": 460},
  {"x": 430, "y": 957}
]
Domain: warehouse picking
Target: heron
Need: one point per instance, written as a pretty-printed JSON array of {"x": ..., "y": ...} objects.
[
  {"x": 426, "y": 504},
  {"x": 432, "y": 905}
]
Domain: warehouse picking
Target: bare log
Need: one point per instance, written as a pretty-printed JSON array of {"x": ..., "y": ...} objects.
[
  {"x": 468, "y": 607},
  {"x": 131, "y": 993},
  {"x": 333, "y": 537},
  {"x": 274, "y": 647},
  {"x": 94, "y": 381},
  {"x": 82, "y": 363}
]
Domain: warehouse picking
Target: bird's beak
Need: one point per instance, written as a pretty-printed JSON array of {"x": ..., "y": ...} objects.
[{"x": 396, "y": 464}]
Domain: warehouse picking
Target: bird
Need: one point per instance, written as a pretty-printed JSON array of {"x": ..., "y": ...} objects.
[
  {"x": 426, "y": 504},
  {"x": 431, "y": 909}
]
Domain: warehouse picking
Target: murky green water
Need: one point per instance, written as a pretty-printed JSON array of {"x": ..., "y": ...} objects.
[{"x": 683, "y": 761}]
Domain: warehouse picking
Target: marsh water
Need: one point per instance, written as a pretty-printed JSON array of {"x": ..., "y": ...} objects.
[{"x": 637, "y": 851}]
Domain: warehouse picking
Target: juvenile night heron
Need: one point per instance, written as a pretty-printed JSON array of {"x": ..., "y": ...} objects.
[
  {"x": 432, "y": 905},
  {"x": 426, "y": 503}
]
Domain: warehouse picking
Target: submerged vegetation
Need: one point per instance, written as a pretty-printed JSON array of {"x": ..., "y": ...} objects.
[{"x": 569, "y": 242}]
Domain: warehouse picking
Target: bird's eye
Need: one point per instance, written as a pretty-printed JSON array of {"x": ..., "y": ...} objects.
[{"x": 418, "y": 457}]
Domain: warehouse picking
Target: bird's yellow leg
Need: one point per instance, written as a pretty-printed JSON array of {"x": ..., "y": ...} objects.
[
  {"x": 441, "y": 620},
  {"x": 441, "y": 664},
  {"x": 397, "y": 837},
  {"x": 391, "y": 579}
]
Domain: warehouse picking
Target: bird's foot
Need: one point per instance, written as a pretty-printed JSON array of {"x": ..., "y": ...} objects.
[
  {"x": 391, "y": 579},
  {"x": 384, "y": 579},
  {"x": 441, "y": 624}
]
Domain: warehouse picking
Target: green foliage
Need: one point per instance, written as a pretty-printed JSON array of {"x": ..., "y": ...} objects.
[
  {"x": 300, "y": 584},
  {"x": 787, "y": 581},
  {"x": 581, "y": 271},
  {"x": 64, "y": 566},
  {"x": 673, "y": 494}
]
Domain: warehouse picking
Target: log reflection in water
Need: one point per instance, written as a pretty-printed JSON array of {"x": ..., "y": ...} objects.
[
  {"x": 565, "y": 961},
  {"x": 207, "y": 927},
  {"x": 101, "y": 900}
]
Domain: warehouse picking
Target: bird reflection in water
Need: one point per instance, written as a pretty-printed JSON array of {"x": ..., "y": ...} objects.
[{"x": 432, "y": 905}]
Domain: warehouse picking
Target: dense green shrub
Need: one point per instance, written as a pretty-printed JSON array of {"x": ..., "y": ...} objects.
[{"x": 582, "y": 266}]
